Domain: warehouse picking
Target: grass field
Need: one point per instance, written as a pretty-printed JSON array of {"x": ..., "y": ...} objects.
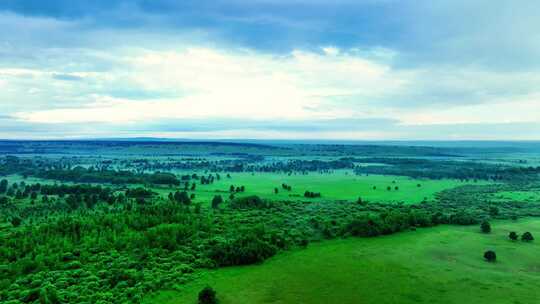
[
  {"x": 340, "y": 185},
  {"x": 433, "y": 265}
]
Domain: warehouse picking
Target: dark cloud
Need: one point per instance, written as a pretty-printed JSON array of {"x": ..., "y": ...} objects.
[{"x": 495, "y": 35}]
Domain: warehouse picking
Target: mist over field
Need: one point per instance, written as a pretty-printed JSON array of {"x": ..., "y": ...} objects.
[{"x": 269, "y": 151}]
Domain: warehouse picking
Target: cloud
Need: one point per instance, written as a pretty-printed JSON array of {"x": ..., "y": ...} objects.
[
  {"x": 203, "y": 82},
  {"x": 67, "y": 77},
  {"x": 353, "y": 68},
  {"x": 343, "y": 87}
]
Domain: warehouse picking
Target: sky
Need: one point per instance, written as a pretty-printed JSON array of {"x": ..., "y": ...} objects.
[{"x": 270, "y": 69}]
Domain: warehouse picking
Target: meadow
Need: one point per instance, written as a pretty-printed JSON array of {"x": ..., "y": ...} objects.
[
  {"x": 432, "y": 265},
  {"x": 341, "y": 185}
]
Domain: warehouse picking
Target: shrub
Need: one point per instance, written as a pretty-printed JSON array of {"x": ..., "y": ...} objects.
[
  {"x": 490, "y": 256},
  {"x": 364, "y": 226},
  {"x": 248, "y": 202},
  {"x": 216, "y": 201},
  {"x": 485, "y": 227},
  {"x": 207, "y": 296},
  {"x": 245, "y": 250},
  {"x": 527, "y": 237},
  {"x": 513, "y": 235}
]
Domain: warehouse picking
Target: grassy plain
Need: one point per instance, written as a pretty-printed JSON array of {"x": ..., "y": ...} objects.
[
  {"x": 338, "y": 185},
  {"x": 434, "y": 265}
]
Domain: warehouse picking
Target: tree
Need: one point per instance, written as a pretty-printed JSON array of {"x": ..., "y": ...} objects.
[
  {"x": 513, "y": 235},
  {"x": 527, "y": 237},
  {"x": 16, "y": 221},
  {"x": 490, "y": 256},
  {"x": 3, "y": 186},
  {"x": 216, "y": 201},
  {"x": 207, "y": 296},
  {"x": 485, "y": 227},
  {"x": 493, "y": 211}
]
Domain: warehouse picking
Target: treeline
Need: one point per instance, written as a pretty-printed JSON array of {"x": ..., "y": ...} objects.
[
  {"x": 439, "y": 169},
  {"x": 90, "y": 175},
  {"x": 62, "y": 170}
]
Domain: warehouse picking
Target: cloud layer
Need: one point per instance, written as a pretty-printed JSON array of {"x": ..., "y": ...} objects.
[{"x": 270, "y": 69}]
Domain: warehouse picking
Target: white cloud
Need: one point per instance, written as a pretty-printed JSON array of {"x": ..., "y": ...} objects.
[
  {"x": 330, "y": 50},
  {"x": 215, "y": 83},
  {"x": 232, "y": 84}
]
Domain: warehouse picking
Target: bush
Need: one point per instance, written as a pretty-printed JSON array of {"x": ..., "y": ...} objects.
[
  {"x": 513, "y": 235},
  {"x": 485, "y": 227},
  {"x": 249, "y": 202},
  {"x": 527, "y": 237},
  {"x": 207, "y": 296},
  {"x": 364, "y": 226},
  {"x": 243, "y": 251},
  {"x": 216, "y": 201},
  {"x": 490, "y": 256}
]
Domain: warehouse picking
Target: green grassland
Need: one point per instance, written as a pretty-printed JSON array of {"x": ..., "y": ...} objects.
[
  {"x": 339, "y": 185},
  {"x": 433, "y": 265}
]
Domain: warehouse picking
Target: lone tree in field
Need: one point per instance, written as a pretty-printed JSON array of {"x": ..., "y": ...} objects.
[
  {"x": 513, "y": 236},
  {"x": 527, "y": 237},
  {"x": 485, "y": 227},
  {"x": 216, "y": 201},
  {"x": 207, "y": 296},
  {"x": 490, "y": 256}
]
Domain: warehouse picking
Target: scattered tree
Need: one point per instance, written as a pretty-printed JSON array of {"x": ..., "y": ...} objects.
[
  {"x": 207, "y": 296},
  {"x": 490, "y": 256},
  {"x": 485, "y": 227},
  {"x": 527, "y": 237},
  {"x": 216, "y": 201}
]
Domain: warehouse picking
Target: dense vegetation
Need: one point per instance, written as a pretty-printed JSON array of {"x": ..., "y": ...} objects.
[{"x": 98, "y": 229}]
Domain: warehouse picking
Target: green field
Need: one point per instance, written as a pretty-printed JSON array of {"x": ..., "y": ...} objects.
[
  {"x": 434, "y": 265},
  {"x": 339, "y": 185}
]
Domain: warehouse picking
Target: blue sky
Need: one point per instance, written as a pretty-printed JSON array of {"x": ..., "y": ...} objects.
[{"x": 269, "y": 69}]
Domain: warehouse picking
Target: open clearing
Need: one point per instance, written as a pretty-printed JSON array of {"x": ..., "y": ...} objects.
[
  {"x": 339, "y": 185},
  {"x": 434, "y": 265}
]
